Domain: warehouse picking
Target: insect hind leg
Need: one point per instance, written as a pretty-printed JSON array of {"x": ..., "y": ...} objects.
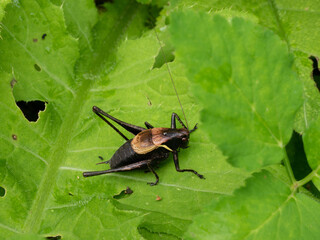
[
  {"x": 127, "y": 126},
  {"x": 148, "y": 125},
  {"x": 119, "y": 169}
]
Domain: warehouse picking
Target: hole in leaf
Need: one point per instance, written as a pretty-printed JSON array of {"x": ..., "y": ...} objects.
[
  {"x": 31, "y": 109},
  {"x": 54, "y": 237},
  {"x": 44, "y": 36},
  {"x": 299, "y": 162},
  {"x": 123, "y": 194},
  {"x": 2, "y": 192},
  {"x": 153, "y": 12},
  {"x": 297, "y": 156},
  {"x": 316, "y": 71},
  {"x": 37, "y": 67}
]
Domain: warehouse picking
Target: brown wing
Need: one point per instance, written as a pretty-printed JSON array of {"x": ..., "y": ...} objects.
[
  {"x": 142, "y": 143},
  {"x": 149, "y": 140}
]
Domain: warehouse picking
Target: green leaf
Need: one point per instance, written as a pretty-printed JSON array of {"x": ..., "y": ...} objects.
[
  {"x": 41, "y": 163},
  {"x": 79, "y": 26},
  {"x": 311, "y": 142},
  {"x": 294, "y": 22},
  {"x": 107, "y": 56},
  {"x": 99, "y": 219},
  {"x": 265, "y": 209},
  {"x": 244, "y": 78}
]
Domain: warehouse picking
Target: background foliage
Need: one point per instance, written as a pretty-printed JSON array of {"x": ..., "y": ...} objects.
[{"x": 241, "y": 70}]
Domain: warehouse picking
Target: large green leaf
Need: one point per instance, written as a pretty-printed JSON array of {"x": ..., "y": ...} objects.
[
  {"x": 88, "y": 59},
  {"x": 246, "y": 83},
  {"x": 265, "y": 209},
  {"x": 104, "y": 56},
  {"x": 294, "y": 22}
]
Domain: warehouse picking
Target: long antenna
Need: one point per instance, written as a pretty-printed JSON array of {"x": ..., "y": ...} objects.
[{"x": 174, "y": 86}]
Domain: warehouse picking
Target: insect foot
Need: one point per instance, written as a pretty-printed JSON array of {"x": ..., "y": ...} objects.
[{"x": 153, "y": 183}]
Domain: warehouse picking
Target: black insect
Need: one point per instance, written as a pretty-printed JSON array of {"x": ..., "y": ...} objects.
[{"x": 148, "y": 147}]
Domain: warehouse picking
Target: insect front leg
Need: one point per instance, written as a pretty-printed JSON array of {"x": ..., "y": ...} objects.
[
  {"x": 176, "y": 163},
  {"x": 175, "y": 116}
]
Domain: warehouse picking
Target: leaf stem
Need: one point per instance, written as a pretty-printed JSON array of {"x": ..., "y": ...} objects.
[
  {"x": 288, "y": 166},
  {"x": 308, "y": 178}
]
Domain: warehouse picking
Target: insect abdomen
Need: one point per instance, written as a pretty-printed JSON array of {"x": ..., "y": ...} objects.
[{"x": 123, "y": 156}]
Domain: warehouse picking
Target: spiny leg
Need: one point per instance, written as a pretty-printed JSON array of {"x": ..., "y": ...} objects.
[
  {"x": 94, "y": 109},
  {"x": 129, "y": 127},
  {"x": 176, "y": 163},
  {"x": 155, "y": 174},
  {"x": 119, "y": 169},
  {"x": 175, "y": 116}
]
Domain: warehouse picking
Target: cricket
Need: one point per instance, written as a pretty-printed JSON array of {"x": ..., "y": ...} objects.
[{"x": 150, "y": 145}]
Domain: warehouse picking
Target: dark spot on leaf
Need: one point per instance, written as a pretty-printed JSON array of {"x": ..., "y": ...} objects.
[
  {"x": 54, "y": 237},
  {"x": 123, "y": 194},
  {"x": 315, "y": 75},
  {"x": 35, "y": 40},
  {"x": 31, "y": 109},
  {"x": 37, "y": 67},
  {"x": 2, "y": 192},
  {"x": 100, "y": 4},
  {"x": 70, "y": 194},
  {"x": 14, "y": 137},
  {"x": 13, "y": 82},
  {"x": 101, "y": 158},
  {"x": 44, "y": 36}
]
